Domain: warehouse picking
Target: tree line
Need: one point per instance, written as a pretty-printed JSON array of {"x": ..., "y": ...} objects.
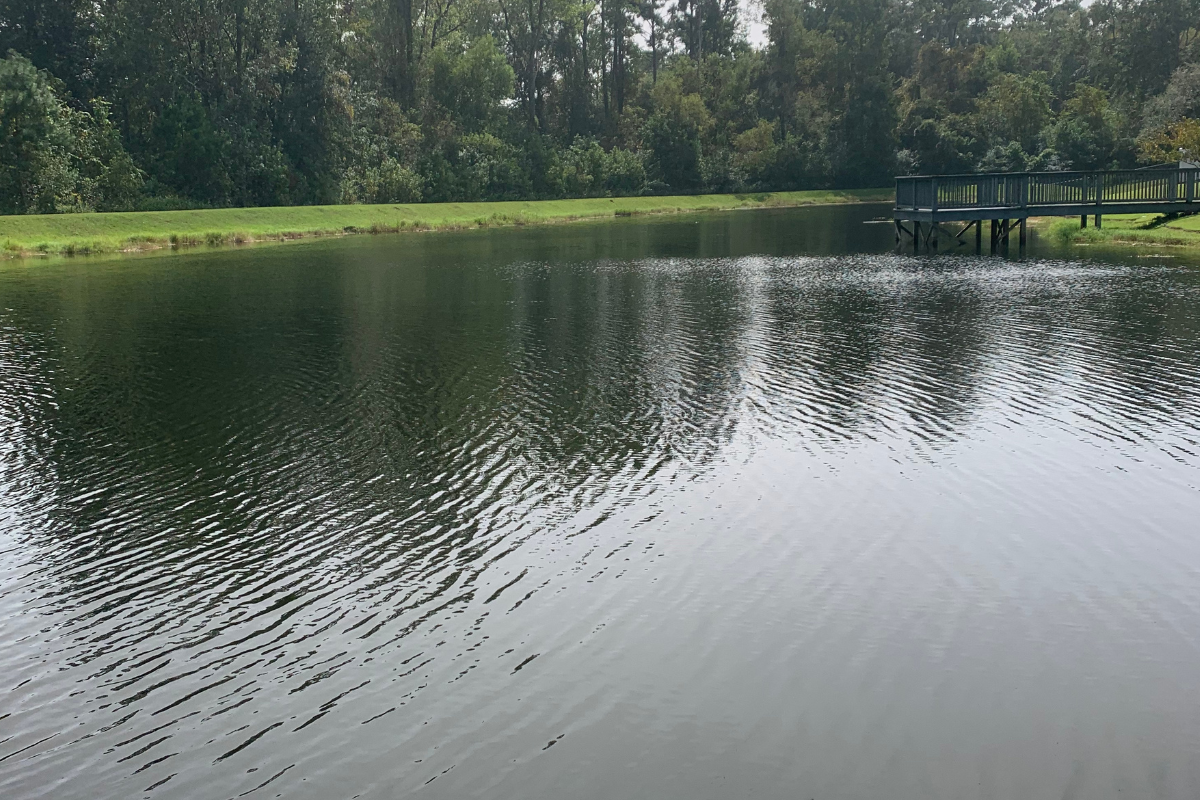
[{"x": 159, "y": 104}]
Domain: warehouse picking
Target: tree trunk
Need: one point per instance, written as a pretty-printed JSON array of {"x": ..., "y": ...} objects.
[
  {"x": 604, "y": 59},
  {"x": 239, "y": 22},
  {"x": 404, "y": 50},
  {"x": 653, "y": 45}
]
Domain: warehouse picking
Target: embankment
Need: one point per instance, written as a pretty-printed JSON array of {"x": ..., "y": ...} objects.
[
  {"x": 1144, "y": 230},
  {"x": 78, "y": 234}
]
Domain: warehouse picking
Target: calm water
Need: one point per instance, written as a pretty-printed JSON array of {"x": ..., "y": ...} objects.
[{"x": 729, "y": 506}]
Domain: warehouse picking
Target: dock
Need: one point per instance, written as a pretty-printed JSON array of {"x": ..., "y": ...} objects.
[{"x": 929, "y": 206}]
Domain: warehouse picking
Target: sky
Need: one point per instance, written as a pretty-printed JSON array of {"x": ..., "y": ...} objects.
[
  {"x": 751, "y": 12},
  {"x": 756, "y": 32}
]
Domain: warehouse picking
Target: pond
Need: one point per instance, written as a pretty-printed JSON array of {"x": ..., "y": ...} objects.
[{"x": 706, "y": 506}]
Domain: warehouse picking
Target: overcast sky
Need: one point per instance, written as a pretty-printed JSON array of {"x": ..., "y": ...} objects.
[
  {"x": 751, "y": 11},
  {"x": 751, "y": 18}
]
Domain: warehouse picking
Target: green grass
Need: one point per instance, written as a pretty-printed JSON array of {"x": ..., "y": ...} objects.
[
  {"x": 76, "y": 234},
  {"x": 1150, "y": 230}
]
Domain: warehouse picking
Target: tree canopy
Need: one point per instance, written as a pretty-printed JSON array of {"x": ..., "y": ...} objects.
[{"x": 108, "y": 104}]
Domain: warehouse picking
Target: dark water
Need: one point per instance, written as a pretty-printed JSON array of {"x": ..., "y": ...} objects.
[{"x": 707, "y": 507}]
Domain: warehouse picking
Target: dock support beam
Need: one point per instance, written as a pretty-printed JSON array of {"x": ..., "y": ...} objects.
[
  {"x": 1097, "y": 222},
  {"x": 1082, "y": 221},
  {"x": 928, "y": 235}
]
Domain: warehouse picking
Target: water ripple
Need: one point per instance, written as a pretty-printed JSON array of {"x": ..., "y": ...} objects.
[{"x": 400, "y": 528}]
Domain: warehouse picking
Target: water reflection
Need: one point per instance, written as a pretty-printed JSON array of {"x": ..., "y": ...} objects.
[{"x": 377, "y": 513}]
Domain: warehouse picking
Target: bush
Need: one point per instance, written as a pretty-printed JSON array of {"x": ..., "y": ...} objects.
[
  {"x": 755, "y": 153},
  {"x": 586, "y": 170},
  {"x": 626, "y": 173},
  {"x": 383, "y": 145},
  {"x": 1067, "y": 231},
  {"x": 389, "y": 182},
  {"x": 486, "y": 168},
  {"x": 720, "y": 173},
  {"x": 582, "y": 169}
]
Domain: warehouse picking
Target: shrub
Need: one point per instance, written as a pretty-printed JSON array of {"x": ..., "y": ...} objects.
[{"x": 626, "y": 173}]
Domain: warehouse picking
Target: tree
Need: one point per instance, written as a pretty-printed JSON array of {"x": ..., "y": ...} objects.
[
  {"x": 35, "y": 173},
  {"x": 1016, "y": 109},
  {"x": 55, "y": 158},
  {"x": 471, "y": 85},
  {"x": 1180, "y": 99},
  {"x": 1175, "y": 141},
  {"x": 55, "y": 36},
  {"x": 672, "y": 135},
  {"x": 1084, "y": 135},
  {"x": 181, "y": 103},
  {"x": 651, "y": 14}
]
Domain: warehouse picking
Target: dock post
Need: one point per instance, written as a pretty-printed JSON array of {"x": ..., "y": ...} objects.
[
  {"x": 1097, "y": 221},
  {"x": 1023, "y": 237},
  {"x": 995, "y": 235},
  {"x": 933, "y": 231},
  {"x": 978, "y": 236},
  {"x": 1082, "y": 221},
  {"x": 916, "y": 236}
]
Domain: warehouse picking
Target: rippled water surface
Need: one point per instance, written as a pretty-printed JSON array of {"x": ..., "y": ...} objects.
[{"x": 720, "y": 506}]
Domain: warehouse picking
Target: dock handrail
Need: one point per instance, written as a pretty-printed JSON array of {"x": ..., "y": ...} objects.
[{"x": 1042, "y": 191}]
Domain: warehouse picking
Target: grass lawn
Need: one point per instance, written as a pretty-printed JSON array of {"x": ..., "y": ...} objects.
[
  {"x": 1137, "y": 229},
  {"x": 69, "y": 234}
]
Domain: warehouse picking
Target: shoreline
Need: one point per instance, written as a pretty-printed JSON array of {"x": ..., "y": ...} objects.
[
  {"x": 1139, "y": 231},
  {"x": 45, "y": 235}
]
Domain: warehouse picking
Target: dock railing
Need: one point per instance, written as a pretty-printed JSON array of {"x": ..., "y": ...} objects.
[{"x": 1048, "y": 193}]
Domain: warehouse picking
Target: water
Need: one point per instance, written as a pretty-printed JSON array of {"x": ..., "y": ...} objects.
[{"x": 728, "y": 506}]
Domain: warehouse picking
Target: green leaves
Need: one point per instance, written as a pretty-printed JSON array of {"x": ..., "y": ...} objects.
[
  {"x": 53, "y": 157},
  {"x": 270, "y": 102},
  {"x": 471, "y": 85}
]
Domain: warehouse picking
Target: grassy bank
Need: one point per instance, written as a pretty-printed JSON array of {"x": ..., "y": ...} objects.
[
  {"x": 71, "y": 234},
  {"x": 1149, "y": 230}
]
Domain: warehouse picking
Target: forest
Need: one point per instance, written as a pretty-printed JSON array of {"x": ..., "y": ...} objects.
[{"x": 173, "y": 104}]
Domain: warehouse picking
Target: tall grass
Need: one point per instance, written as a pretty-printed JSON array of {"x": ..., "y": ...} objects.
[{"x": 1144, "y": 229}]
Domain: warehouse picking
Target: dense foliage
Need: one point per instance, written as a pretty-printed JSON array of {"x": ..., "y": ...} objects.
[{"x": 109, "y": 104}]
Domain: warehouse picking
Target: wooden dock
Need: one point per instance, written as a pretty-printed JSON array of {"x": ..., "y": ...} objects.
[{"x": 925, "y": 203}]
